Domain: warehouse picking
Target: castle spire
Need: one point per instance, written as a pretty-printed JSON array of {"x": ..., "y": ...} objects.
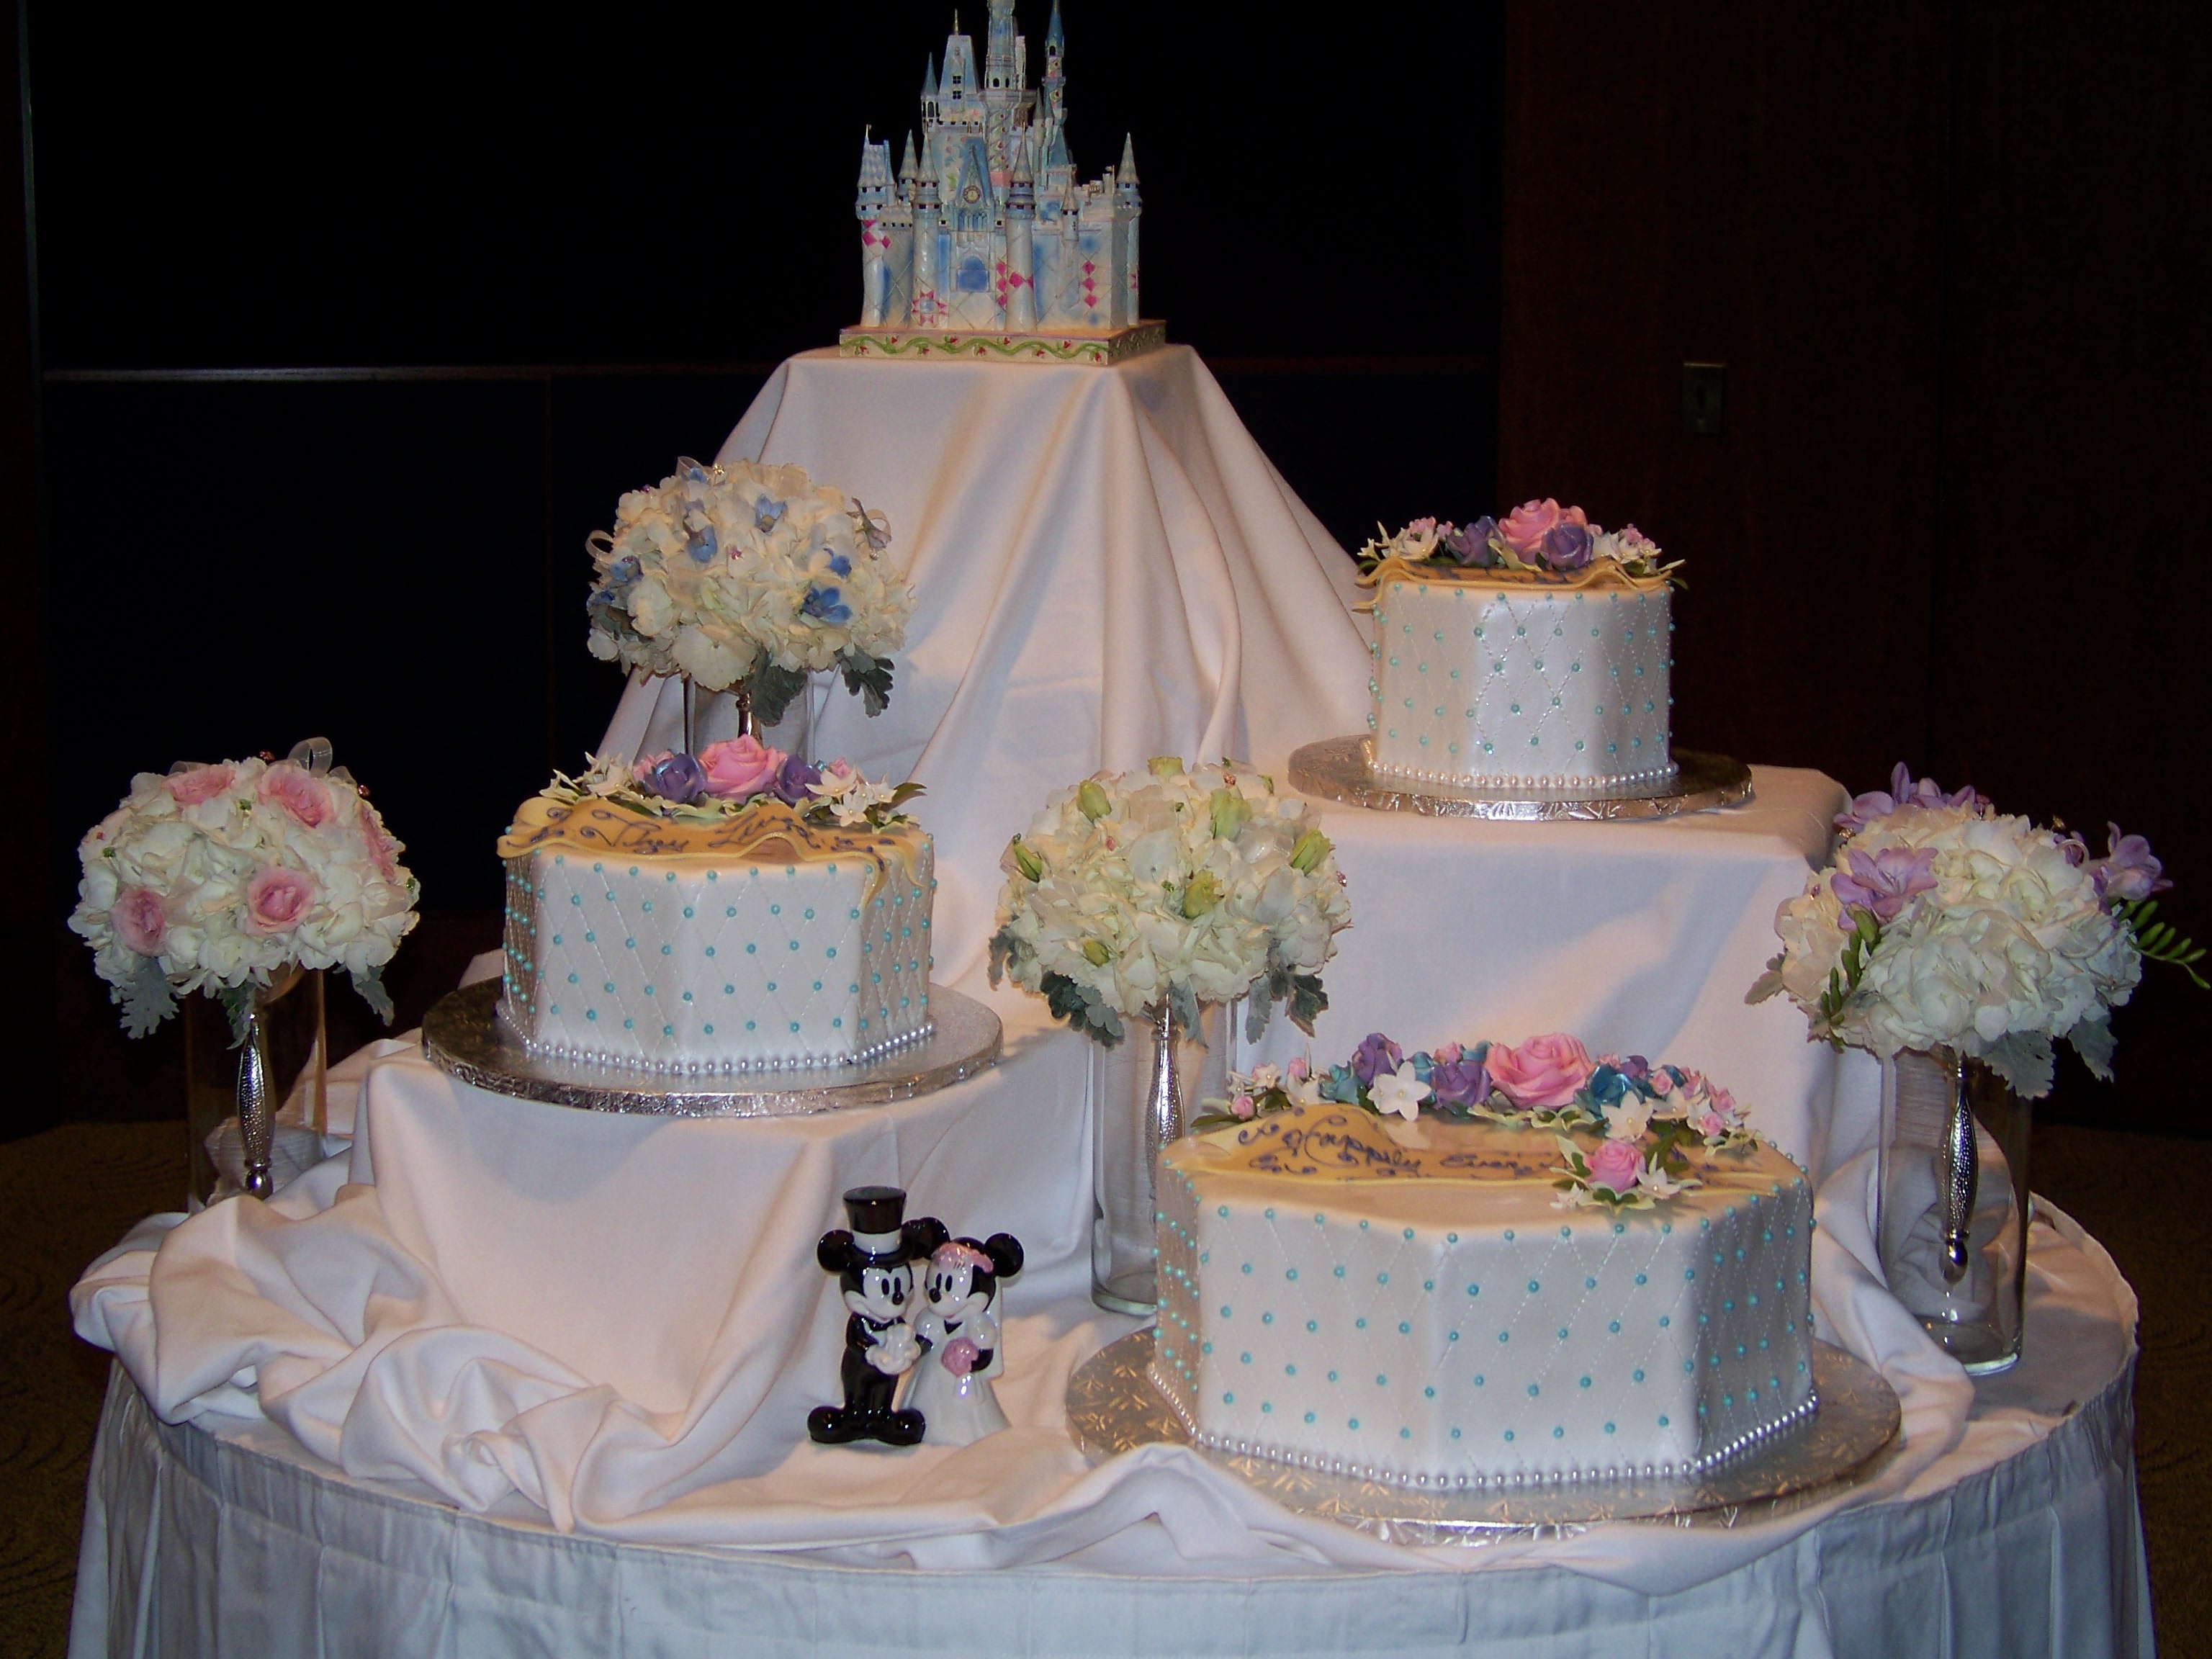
[
  {"x": 1055, "y": 39},
  {"x": 1126, "y": 173}
]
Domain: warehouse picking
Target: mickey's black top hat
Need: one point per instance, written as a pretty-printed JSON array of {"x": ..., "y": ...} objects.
[{"x": 877, "y": 1213}]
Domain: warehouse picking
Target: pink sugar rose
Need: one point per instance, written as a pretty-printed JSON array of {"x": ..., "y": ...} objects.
[
  {"x": 1711, "y": 1124},
  {"x": 1661, "y": 1081},
  {"x": 961, "y": 1355},
  {"x": 277, "y": 900},
  {"x": 1615, "y": 1166},
  {"x": 1524, "y": 528},
  {"x": 1545, "y": 1071},
  {"x": 306, "y": 797},
  {"x": 201, "y": 783},
  {"x": 139, "y": 919},
  {"x": 739, "y": 767},
  {"x": 1447, "y": 1053},
  {"x": 1242, "y": 1106}
]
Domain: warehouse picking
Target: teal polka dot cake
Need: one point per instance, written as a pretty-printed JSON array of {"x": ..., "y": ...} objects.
[
  {"x": 1414, "y": 1303},
  {"x": 760, "y": 941}
]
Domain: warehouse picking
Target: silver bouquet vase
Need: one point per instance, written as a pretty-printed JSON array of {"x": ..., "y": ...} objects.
[
  {"x": 1952, "y": 1210},
  {"x": 1141, "y": 1095},
  {"x": 247, "y": 1080}
]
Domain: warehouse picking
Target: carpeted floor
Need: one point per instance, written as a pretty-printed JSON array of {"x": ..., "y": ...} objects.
[{"x": 70, "y": 1193}]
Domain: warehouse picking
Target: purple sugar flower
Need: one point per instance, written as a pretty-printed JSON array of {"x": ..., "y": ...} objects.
[
  {"x": 1376, "y": 1053},
  {"x": 1567, "y": 546},
  {"x": 2129, "y": 870},
  {"x": 1471, "y": 546},
  {"x": 793, "y": 779},
  {"x": 1881, "y": 882},
  {"x": 673, "y": 777},
  {"x": 1635, "y": 1068},
  {"x": 1462, "y": 1082}
]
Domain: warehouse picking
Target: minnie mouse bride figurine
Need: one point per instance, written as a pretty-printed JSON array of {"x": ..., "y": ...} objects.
[{"x": 958, "y": 1331}]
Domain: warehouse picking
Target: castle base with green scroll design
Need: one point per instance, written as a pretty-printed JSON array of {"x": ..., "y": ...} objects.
[{"x": 1096, "y": 350}]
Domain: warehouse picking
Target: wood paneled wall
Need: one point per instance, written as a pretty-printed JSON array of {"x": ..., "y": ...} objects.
[{"x": 1954, "y": 258}]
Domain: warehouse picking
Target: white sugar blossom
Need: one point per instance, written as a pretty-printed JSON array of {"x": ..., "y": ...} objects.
[
  {"x": 1193, "y": 885},
  {"x": 215, "y": 877},
  {"x": 1399, "y": 1092}
]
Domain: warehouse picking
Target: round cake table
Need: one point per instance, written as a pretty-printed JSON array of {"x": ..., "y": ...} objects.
[{"x": 2021, "y": 1539}]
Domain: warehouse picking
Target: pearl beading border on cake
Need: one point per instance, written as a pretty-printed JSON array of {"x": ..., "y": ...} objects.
[
  {"x": 570, "y": 1054},
  {"x": 1656, "y": 775},
  {"x": 1481, "y": 1480}
]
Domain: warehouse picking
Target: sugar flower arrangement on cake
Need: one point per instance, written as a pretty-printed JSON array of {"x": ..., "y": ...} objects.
[
  {"x": 749, "y": 576},
  {"x": 1537, "y": 541},
  {"x": 1621, "y": 1122},
  {"x": 725, "y": 778},
  {"x": 1182, "y": 885},
  {"x": 1944, "y": 923},
  {"x": 219, "y": 878}
]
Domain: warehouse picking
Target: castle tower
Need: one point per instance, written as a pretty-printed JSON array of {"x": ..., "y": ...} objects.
[
  {"x": 871, "y": 198},
  {"x": 928, "y": 250},
  {"x": 907, "y": 173},
  {"x": 1006, "y": 68},
  {"x": 1128, "y": 206},
  {"x": 1055, "y": 73},
  {"x": 1017, "y": 284}
]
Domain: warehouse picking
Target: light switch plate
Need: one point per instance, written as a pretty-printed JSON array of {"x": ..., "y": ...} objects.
[{"x": 1704, "y": 395}]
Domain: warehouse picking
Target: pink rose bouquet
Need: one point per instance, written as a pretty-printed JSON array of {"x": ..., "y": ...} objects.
[{"x": 221, "y": 878}]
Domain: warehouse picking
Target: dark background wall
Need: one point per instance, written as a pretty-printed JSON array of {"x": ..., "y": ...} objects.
[
  {"x": 342, "y": 343},
  {"x": 1952, "y": 257}
]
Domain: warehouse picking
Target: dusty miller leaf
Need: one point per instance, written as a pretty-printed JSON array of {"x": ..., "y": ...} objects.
[
  {"x": 2024, "y": 1061},
  {"x": 2092, "y": 1041}
]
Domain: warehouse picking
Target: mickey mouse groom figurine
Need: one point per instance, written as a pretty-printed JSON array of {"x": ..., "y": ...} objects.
[{"x": 874, "y": 1264}]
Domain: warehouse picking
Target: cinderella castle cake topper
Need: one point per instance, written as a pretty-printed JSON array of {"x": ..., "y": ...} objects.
[{"x": 985, "y": 244}]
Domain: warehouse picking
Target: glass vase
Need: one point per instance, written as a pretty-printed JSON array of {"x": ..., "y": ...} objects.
[
  {"x": 281, "y": 1060},
  {"x": 1141, "y": 1093},
  {"x": 1953, "y": 1206},
  {"x": 707, "y": 720}
]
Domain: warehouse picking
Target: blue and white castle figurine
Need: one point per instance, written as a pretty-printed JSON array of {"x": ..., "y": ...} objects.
[{"x": 985, "y": 229}]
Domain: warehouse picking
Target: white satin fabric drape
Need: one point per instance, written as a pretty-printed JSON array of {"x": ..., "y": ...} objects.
[
  {"x": 1105, "y": 569},
  {"x": 614, "y": 1327}
]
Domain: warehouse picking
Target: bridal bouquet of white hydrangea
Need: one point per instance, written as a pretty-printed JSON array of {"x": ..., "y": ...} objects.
[
  {"x": 1179, "y": 887},
  {"x": 749, "y": 576},
  {"x": 1945, "y": 923},
  {"x": 221, "y": 878}
]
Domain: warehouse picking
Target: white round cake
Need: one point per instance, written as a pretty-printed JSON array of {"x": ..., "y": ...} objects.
[{"x": 1497, "y": 684}]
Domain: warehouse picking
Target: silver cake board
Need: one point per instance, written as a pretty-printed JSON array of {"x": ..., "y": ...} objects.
[
  {"x": 464, "y": 1034},
  {"x": 1341, "y": 769},
  {"x": 1101, "y": 348},
  {"x": 1114, "y": 1406}
]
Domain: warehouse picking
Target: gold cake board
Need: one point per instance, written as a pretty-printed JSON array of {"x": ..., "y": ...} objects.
[
  {"x": 1113, "y": 1407},
  {"x": 1100, "y": 349}
]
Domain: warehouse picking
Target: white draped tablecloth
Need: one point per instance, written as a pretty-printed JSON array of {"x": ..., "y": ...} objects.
[{"x": 507, "y": 1378}]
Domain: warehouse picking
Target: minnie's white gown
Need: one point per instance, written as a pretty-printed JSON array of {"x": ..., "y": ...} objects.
[{"x": 957, "y": 1410}]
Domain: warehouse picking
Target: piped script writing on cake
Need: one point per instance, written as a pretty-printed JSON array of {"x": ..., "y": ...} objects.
[
  {"x": 1454, "y": 1296},
  {"x": 1532, "y": 652},
  {"x": 655, "y": 923}
]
